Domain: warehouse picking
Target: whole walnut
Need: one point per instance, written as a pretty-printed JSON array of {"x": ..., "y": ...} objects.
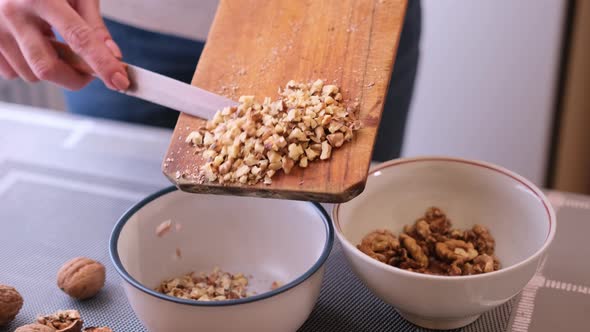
[
  {"x": 81, "y": 278},
  {"x": 35, "y": 328},
  {"x": 10, "y": 304}
]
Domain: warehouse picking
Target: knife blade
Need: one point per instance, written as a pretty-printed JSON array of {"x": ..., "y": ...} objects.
[
  {"x": 174, "y": 94},
  {"x": 157, "y": 88}
]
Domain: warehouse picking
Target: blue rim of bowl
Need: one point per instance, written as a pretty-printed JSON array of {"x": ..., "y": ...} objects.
[{"x": 128, "y": 278}]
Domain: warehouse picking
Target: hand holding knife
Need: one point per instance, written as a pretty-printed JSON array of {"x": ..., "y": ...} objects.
[{"x": 156, "y": 88}]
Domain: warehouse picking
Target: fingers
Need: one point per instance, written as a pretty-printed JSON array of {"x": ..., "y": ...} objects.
[
  {"x": 89, "y": 10},
  {"x": 84, "y": 40},
  {"x": 6, "y": 70},
  {"x": 43, "y": 60},
  {"x": 13, "y": 56}
]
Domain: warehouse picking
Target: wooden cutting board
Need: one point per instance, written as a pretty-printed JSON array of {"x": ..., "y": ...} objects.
[{"x": 256, "y": 46}]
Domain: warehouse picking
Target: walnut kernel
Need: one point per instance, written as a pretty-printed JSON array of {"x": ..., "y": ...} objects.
[
  {"x": 63, "y": 321},
  {"x": 431, "y": 246}
]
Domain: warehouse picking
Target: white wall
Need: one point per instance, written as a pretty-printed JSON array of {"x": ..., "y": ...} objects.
[{"x": 486, "y": 82}]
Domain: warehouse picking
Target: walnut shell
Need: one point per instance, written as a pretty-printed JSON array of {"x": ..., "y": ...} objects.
[
  {"x": 81, "y": 278},
  {"x": 98, "y": 329},
  {"x": 35, "y": 328},
  {"x": 63, "y": 321},
  {"x": 10, "y": 304}
]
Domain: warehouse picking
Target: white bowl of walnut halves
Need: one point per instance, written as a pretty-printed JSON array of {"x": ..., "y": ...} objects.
[
  {"x": 444, "y": 240},
  {"x": 221, "y": 263}
]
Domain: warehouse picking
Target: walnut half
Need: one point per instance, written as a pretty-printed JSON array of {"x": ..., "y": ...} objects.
[{"x": 63, "y": 321}]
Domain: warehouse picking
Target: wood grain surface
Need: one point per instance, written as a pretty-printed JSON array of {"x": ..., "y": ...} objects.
[{"x": 256, "y": 46}]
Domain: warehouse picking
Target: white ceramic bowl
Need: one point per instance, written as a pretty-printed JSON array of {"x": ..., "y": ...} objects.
[
  {"x": 272, "y": 240},
  {"x": 518, "y": 215}
]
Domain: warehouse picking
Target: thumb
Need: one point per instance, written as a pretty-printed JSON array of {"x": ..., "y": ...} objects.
[{"x": 89, "y": 10}]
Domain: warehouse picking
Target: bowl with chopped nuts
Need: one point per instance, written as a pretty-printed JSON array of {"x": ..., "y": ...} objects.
[
  {"x": 444, "y": 240},
  {"x": 219, "y": 263}
]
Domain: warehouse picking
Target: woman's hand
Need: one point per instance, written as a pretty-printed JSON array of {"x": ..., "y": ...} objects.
[{"x": 25, "y": 51}]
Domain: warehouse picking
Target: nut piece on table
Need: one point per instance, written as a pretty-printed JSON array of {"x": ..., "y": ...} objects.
[
  {"x": 63, "y": 321},
  {"x": 98, "y": 329},
  {"x": 81, "y": 278},
  {"x": 10, "y": 304},
  {"x": 35, "y": 328}
]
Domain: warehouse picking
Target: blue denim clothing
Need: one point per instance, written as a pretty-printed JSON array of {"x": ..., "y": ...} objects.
[{"x": 177, "y": 58}]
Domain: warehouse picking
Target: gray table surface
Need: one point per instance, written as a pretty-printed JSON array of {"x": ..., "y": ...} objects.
[{"x": 65, "y": 180}]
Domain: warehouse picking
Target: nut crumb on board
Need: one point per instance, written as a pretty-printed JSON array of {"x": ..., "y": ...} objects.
[
  {"x": 431, "y": 246},
  {"x": 254, "y": 141},
  {"x": 275, "y": 285}
]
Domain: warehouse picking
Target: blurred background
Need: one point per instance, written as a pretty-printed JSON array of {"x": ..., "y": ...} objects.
[{"x": 501, "y": 81}]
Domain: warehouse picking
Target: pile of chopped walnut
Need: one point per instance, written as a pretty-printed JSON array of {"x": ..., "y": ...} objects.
[
  {"x": 252, "y": 142},
  {"x": 215, "y": 286},
  {"x": 431, "y": 246}
]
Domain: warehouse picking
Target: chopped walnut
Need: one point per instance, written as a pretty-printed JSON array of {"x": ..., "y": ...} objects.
[
  {"x": 215, "y": 286},
  {"x": 305, "y": 124},
  {"x": 431, "y": 246},
  {"x": 295, "y": 151},
  {"x": 303, "y": 162},
  {"x": 195, "y": 137},
  {"x": 163, "y": 228},
  {"x": 326, "y": 150},
  {"x": 336, "y": 140}
]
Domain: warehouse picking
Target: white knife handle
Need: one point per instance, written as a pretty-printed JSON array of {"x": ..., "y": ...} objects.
[{"x": 156, "y": 88}]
